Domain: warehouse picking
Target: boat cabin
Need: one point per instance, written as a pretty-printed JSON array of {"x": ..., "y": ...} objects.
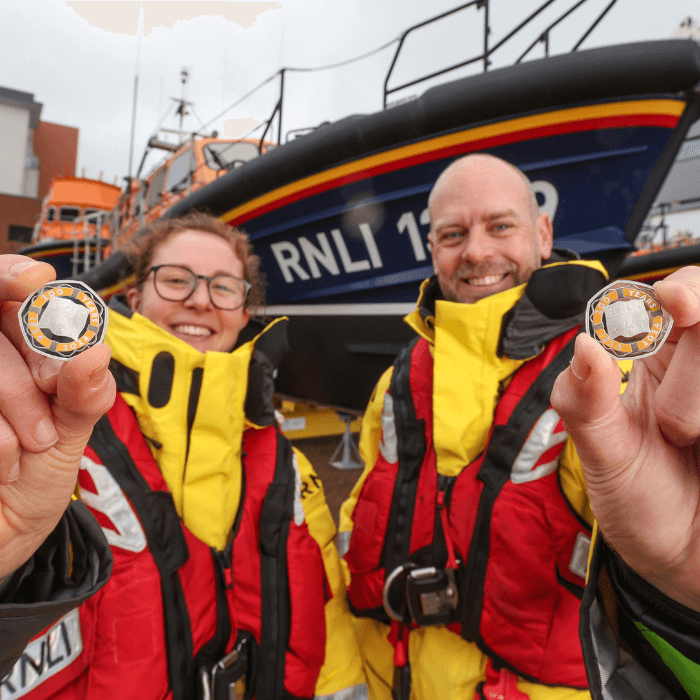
[
  {"x": 192, "y": 165},
  {"x": 74, "y": 206}
]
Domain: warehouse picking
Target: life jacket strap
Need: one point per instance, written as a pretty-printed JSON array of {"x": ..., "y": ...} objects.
[
  {"x": 501, "y": 684},
  {"x": 398, "y": 636}
]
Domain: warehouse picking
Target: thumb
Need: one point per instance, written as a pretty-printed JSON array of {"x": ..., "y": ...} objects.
[
  {"x": 586, "y": 396},
  {"x": 85, "y": 391}
]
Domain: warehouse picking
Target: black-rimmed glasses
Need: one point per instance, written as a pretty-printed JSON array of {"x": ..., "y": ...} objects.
[{"x": 177, "y": 283}]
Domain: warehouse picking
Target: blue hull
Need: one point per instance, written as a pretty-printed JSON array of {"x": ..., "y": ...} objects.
[{"x": 339, "y": 216}]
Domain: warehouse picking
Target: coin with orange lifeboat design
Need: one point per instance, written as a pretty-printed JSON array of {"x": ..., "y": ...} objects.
[{"x": 626, "y": 318}]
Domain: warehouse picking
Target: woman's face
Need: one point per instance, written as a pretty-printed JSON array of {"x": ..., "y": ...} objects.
[{"x": 195, "y": 320}]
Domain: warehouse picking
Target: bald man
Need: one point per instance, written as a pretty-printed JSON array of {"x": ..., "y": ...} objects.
[{"x": 469, "y": 531}]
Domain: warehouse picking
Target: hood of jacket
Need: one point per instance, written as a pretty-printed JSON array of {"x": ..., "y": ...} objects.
[
  {"x": 478, "y": 347},
  {"x": 193, "y": 407}
]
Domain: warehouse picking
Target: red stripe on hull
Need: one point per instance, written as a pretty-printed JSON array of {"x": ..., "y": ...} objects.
[{"x": 655, "y": 120}]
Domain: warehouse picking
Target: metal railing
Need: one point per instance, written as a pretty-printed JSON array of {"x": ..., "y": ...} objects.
[
  {"x": 277, "y": 112},
  {"x": 488, "y": 51},
  {"x": 98, "y": 219}
]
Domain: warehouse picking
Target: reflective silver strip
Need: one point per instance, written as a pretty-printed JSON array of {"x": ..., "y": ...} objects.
[
  {"x": 621, "y": 676},
  {"x": 579, "y": 557},
  {"x": 111, "y": 501},
  {"x": 342, "y": 542},
  {"x": 298, "y": 506},
  {"x": 605, "y": 647},
  {"x": 388, "y": 444},
  {"x": 44, "y": 657},
  {"x": 354, "y": 692},
  {"x": 540, "y": 439}
]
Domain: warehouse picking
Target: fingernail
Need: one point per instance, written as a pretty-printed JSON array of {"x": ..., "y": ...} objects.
[
  {"x": 18, "y": 268},
  {"x": 667, "y": 286},
  {"x": 45, "y": 434},
  {"x": 48, "y": 368},
  {"x": 688, "y": 295},
  {"x": 579, "y": 367},
  {"x": 14, "y": 473},
  {"x": 96, "y": 377}
]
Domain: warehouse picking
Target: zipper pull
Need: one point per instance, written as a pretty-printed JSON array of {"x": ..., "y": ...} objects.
[
  {"x": 451, "y": 560},
  {"x": 224, "y": 559}
]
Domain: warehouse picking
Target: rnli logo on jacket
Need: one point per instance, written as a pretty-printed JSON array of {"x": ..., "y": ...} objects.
[{"x": 44, "y": 657}]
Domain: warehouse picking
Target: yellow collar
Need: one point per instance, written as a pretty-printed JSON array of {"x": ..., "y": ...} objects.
[
  {"x": 470, "y": 367},
  {"x": 190, "y": 407},
  {"x": 467, "y": 374}
]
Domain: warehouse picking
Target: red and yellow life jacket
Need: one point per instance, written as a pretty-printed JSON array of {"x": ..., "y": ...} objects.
[
  {"x": 173, "y": 605},
  {"x": 521, "y": 547}
]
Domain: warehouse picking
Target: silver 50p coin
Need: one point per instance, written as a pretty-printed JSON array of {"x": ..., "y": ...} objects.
[
  {"x": 62, "y": 319},
  {"x": 627, "y": 320}
]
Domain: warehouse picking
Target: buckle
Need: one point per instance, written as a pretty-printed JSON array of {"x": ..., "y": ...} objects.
[
  {"x": 388, "y": 608},
  {"x": 432, "y": 595},
  {"x": 429, "y": 595},
  {"x": 226, "y": 678}
]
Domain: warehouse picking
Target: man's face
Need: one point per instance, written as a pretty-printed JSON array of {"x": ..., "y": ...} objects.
[{"x": 486, "y": 235}]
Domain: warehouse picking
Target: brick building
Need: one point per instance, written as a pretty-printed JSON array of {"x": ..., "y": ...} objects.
[{"x": 32, "y": 154}]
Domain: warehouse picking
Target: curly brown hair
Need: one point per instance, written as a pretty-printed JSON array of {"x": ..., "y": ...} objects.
[{"x": 144, "y": 244}]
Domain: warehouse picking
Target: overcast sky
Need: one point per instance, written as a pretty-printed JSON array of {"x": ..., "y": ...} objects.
[{"x": 79, "y": 57}]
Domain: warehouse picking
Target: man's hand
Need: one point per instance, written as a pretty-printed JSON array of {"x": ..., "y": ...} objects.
[
  {"x": 47, "y": 411},
  {"x": 640, "y": 450}
]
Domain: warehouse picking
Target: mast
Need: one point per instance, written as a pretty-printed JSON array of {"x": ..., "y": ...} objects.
[
  {"x": 182, "y": 109},
  {"x": 139, "y": 38}
]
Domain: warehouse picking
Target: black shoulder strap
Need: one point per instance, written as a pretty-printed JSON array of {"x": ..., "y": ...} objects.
[
  {"x": 410, "y": 437},
  {"x": 275, "y": 520},
  {"x": 506, "y": 443},
  {"x": 167, "y": 545}
]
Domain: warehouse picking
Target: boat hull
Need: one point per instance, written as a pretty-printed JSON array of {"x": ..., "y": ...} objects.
[
  {"x": 68, "y": 257},
  {"x": 339, "y": 217}
]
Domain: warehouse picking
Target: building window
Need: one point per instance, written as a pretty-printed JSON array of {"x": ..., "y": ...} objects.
[{"x": 23, "y": 234}]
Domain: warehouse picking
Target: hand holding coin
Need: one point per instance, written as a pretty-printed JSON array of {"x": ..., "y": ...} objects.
[
  {"x": 47, "y": 410},
  {"x": 640, "y": 450}
]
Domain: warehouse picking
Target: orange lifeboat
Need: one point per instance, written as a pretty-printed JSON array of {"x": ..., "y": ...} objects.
[
  {"x": 74, "y": 207},
  {"x": 193, "y": 164}
]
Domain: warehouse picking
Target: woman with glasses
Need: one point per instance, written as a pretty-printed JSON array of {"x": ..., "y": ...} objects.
[{"x": 226, "y": 581}]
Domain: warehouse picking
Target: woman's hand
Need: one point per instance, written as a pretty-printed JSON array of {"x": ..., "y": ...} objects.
[{"x": 47, "y": 411}]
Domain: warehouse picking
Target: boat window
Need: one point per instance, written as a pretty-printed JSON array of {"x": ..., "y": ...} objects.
[
  {"x": 51, "y": 214},
  {"x": 226, "y": 156},
  {"x": 68, "y": 213},
  {"x": 139, "y": 198},
  {"x": 179, "y": 172},
  {"x": 156, "y": 189},
  {"x": 91, "y": 211}
]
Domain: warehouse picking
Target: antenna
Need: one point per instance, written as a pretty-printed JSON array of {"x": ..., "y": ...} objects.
[
  {"x": 139, "y": 39},
  {"x": 182, "y": 102}
]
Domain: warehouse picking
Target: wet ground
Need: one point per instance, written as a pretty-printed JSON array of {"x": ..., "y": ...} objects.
[{"x": 337, "y": 483}]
